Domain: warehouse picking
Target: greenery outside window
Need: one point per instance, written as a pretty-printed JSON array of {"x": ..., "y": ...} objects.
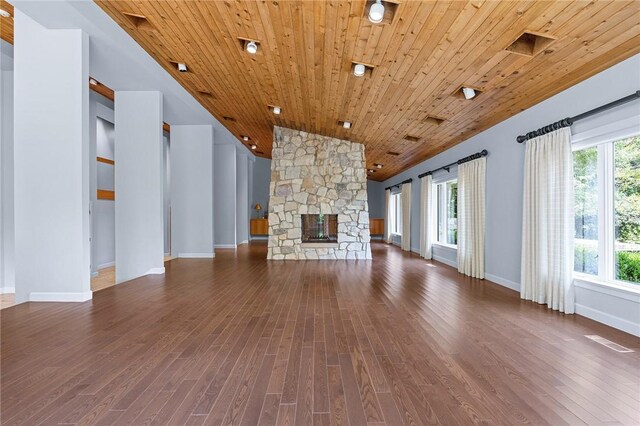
[
  {"x": 607, "y": 210},
  {"x": 446, "y": 194}
]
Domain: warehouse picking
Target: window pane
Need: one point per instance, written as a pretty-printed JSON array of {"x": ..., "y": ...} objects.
[
  {"x": 585, "y": 180},
  {"x": 627, "y": 209},
  {"x": 452, "y": 213}
]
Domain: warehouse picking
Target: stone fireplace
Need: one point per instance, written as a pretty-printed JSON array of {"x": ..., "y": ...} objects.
[{"x": 318, "y": 198}]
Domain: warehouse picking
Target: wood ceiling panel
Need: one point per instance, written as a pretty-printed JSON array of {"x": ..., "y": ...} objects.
[
  {"x": 432, "y": 48},
  {"x": 6, "y": 23}
]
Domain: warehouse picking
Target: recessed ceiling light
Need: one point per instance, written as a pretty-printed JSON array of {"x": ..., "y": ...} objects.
[
  {"x": 468, "y": 93},
  {"x": 359, "y": 70},
  {"x": 378, "y": 165},
  {"x": 93, "y": 82},
  {"x": 276, "y": 110},
  {"x": 5, "y": 13},
  {"x": 376, "y": 12},
  {"x": 252, "y": 47},
  {"x": 254, "y": 146},
  {"x": 346, "y": 124},
  {"x": 182, "y": 67},
  {"x": 245, "y": 138},
  {"x": 371, "y": 171}
]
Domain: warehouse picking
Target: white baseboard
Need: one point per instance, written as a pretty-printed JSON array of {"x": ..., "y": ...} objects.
[
  {"x": 94, "y": 274},
  {"x": 243, "y": 242},
  {"x": 503, "y": 282},
  {"x": 196, "y": 255},
  {"x": 155, "y": 271},
  {"x": 225, "y": 246},
  {"x": 106, "y": 265},
  {"x": 60, "y": 297},
  {"x": 608, "y": 319},
  {"x": 7, "y": 290},
  {"x": 445, "y": 261}
]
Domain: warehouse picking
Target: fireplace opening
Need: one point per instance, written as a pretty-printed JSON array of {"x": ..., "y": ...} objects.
[{"x": 319, "y": 228}]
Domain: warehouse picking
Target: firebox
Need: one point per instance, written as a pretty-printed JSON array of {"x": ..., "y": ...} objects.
[{"x": 319, "y": 228}]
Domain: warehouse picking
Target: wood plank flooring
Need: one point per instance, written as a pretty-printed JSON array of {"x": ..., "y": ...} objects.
[{"x": 240, "y": 340}]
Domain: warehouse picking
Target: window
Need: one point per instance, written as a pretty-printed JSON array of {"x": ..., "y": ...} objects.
[
  {"x": 446, "y": 194},
  {"x": 396, "y": 213},
  {"x": 607, "y": 210}
]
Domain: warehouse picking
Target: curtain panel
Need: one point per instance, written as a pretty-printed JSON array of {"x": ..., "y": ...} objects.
[
  {"x": 427, "y": 216},
  {"x": 548, "y": 222},
  {"x": 406, "y": 216},
  {"x": 471, "y": 217},
  {"x": 387, "y": 216}
]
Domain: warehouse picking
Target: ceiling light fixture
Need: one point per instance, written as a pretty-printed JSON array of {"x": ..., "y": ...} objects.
[
  {"x": 252, "y": 47},
  {"x": 93, "y": 82},
  {"x": 245, "y": 138},
  {"x": 276, "y": 110},
  {"x": 468, "y": 93},
  {"x": 254, "y": 146},
  {"x": 376, "y": 12},
  {"x": 346, "y": 124},
  {"x": 378, "y": 165},
  {"x": 371, "y": 171},
  {"x": 5, "y": 13},
  {"x": 359, "y": 70},
  {"x": 182, "y": 67}
]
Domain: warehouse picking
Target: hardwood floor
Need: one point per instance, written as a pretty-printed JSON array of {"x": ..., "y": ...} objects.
[{"x": 239, "y": 340}]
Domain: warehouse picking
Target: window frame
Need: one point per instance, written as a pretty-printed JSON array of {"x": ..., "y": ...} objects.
[
  {"x": 441, "y": 202},
  {"x": 396, "y": 213},
  {"x": 605, "y": 170}
]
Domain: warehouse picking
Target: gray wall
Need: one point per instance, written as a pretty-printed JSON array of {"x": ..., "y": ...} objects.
[
  {"x": 505, "y": 178},
  {"x": 242, "y": 198},
  {"x": 261, "y": 181},
  {"x": 375, "y": 195}
]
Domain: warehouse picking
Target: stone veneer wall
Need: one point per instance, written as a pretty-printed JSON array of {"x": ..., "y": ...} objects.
[{"x": 312, "y": 174}]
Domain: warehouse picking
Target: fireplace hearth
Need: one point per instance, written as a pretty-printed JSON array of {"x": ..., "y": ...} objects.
[{"x": 319, "y": 228}]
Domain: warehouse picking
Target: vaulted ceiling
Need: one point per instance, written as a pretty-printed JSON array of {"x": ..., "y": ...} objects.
[{"x": 409, "y": 104}]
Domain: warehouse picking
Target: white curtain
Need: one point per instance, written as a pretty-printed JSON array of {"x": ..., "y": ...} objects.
[
  {"x": 471, "y": 217},
  {"x": 406, "y": 216},
  {"x": 427, "y": 216},
  {"x": 387, "y": 216},
  {"x": 548, "y": 222}
]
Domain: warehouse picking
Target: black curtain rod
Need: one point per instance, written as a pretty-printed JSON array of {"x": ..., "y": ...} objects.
[
  {"x": 475, "y": 156},
  {"x": 398, "y": 184},
  {"x": 570, "y": 120}
]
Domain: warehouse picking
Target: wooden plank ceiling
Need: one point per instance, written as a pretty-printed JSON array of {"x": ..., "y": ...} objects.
[
  {"x": 6, "y": 22},
  {"x": 420, "y": 60}
]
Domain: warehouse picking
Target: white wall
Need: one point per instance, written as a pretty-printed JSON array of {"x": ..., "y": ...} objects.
[
  {"x": 505, "y": 181},
  {"x": 242, "y": 198},
  {"x": 139, "y": 214},
  {"x": 7, "y": 271},
  {"x": 224, "y": 205},
  {"x": 191, "y": 189},
  {"x": 52, "y": 254}
]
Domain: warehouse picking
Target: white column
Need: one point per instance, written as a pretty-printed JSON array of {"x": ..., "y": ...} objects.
[
  {"x": 138, "y": 185},
  {"x": 192, "y": 191},
  {"x": 224, "y": 206},
  {"x": 52, "y": 254}
]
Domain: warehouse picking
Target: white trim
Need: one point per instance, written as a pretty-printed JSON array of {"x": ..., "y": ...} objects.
[
  {"x": 503, "y": 282},
  {"x": 243, "y": 242},
  {"x": 445, "y": 246},
  {"x": 445, "y": 261},
  {"x": 225, "y": 246},
  {"x": 154, "y": 271},
  {"x": 106, "y": 265},
  {"x": 60, "y": 297},
  {"x": 196, "y": 255},
  {"x": 613, "y": 131},
  {"x": 610, "y": 289},
  {"x": 608, "y": 319},
  {"x": 94, "y": 274},
  {"x": 7, "y": 290}
]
